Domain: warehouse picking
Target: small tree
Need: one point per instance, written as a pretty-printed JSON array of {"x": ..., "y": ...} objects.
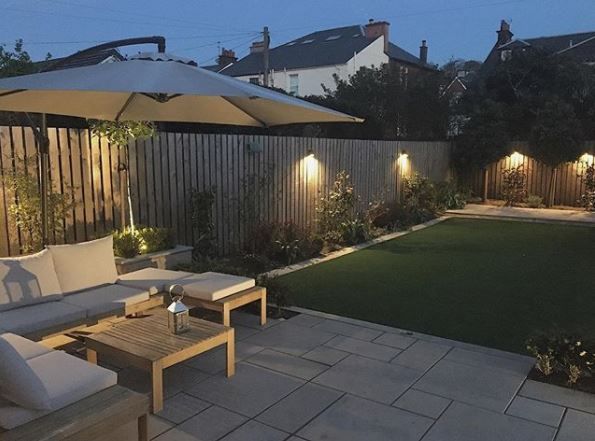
[
  {"x": 17, "y": 61},
  {"x": 119, "y": 133},
  {"x": 336, "y": 209},
  {"x": 556, "y": 138},
  {"x": 514, "y": 185},
  {"x": 25, "y": 208},
  {"x": 588, "y": 197}
]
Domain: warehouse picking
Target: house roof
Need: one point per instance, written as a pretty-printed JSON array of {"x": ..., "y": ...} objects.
[
  {"x": 87, "y": 60},
  {"x": 212, "y": 67},
  {"x": 323, "y": 48},
  {"x": 580, "y": 45}
]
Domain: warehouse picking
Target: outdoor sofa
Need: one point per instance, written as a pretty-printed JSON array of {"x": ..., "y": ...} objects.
[{"x": 50, "y": 395}]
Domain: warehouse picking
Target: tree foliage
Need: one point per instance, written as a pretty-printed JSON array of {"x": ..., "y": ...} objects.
[{"x": 16, "y": 61}]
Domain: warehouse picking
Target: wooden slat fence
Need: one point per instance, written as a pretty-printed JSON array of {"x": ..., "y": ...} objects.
[
  {"x": 276, "y": 184},
  {"x": 568, "y": 182}
]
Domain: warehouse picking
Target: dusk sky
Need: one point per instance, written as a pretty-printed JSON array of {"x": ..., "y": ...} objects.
[{"x": 195, "y": 29}]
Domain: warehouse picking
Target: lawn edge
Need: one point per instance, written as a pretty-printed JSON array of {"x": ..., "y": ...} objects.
[{"x": 349, "y": 250}]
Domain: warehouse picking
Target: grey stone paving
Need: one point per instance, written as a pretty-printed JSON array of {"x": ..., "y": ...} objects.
[{"x": 319, "y": 377}]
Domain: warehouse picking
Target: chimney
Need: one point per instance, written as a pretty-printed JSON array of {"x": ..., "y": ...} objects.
[
  {"x": 423, "y": 53},
  {"x": 257, "y": 47},
  {"x": 226, "y": 58},
  {"x": 504, "y": 34},
  {"x": 375, "y": 29}
]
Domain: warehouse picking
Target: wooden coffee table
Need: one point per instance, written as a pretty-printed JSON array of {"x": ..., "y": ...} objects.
[{"x": 146, "y": 343}]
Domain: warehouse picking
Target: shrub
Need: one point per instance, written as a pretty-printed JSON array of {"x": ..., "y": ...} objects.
[
  {"x": 450, "y": 196},
  {"x": 534, "y": 201},
  {"x": 201, "y": 203},
  {"x": 127, "y": 243},
  {"x": 514, "y": 185},
  {"x": 283, "y": 242},
  {"x": 419, "y": 199},
  {"x": 336, "y": 209},
  {"x": 277, "y": 292},
  {"x": 587, "y": 199},
  {"x": 562, "y": 352},
  {"x": 153, "y": 239},
  {"x": 355, "y": 231}
]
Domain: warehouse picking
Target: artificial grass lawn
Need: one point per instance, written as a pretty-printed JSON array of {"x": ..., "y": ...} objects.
[{"x": 486, "y": 282}]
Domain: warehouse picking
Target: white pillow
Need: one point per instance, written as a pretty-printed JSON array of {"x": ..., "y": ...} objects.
[
  {"x": 85, "y": 265},
  {"x": 18, "y": 382},
  {"x": 28, "y": 280}
]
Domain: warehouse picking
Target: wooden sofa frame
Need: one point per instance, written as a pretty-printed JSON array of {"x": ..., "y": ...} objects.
[{"x": 87, "y": 419}]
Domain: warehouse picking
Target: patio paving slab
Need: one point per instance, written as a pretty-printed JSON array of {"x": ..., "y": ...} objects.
[
  {"x": 251, "y": 320},
  {"x": 212, "y": 424},
  {"x": 577, "y": 426},
  {"x": 306, "y": 320},
  {"x": 421, "y": 355},
  {"x": 369, "y": 378},
  {"x": 559, "y": 395},
  {"x": 480, "y": 386},
  {"x": 291, "y": 339},
  {"x": 250, "y": 391},
  {"x": 363, "y": 348},
  {"x": 213, "y": 361},
  {"x": 182, "y": 406},
  {"x": 462, "y": 422},
  {"x": 422, "y": 403},
  {"x": 255, "y": 431},
  {"x": 398, "y": 341},
  {"x": 298, "y": 408},
  {"x": 325, "y": 355},
  {"x": 173, "y": 435},
  {"x": 287, "y": 364},
  {"x": 129, "y": 432},
  {"x": 538, "y": 411},
  {"x": 521, "y": 365},
  {"x": 359, "y": 332},
  {"x": 243, "y": 332},
  {"x": 356, "y": 419}
]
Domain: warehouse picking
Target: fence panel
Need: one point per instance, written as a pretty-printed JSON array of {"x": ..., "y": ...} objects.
[{"x": 281, "y": 182}]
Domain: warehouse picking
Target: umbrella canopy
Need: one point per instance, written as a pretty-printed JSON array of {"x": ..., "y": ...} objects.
[{"x": 157, "y": 87}]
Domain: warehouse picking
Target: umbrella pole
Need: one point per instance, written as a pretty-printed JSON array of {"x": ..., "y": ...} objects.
[{"x": 44, "y": 175}]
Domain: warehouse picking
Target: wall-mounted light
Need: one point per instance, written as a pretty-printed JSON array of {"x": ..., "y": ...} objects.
[
  {"x": 311, "y": 164},
  {"x": 588, "y": 159},
  {"x": 403, "y": 162},
  {"x": 516, "y": 159}
]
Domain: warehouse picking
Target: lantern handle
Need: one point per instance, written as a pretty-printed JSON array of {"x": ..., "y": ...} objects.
[{"x": 176, "y": 292}]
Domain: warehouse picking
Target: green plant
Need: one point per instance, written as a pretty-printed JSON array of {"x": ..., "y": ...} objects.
[
  {"x": 24, "y": 208},
  {"x": 419, "y": 199},
  {"x": 355, "y": 231},
  {"x": 277, "y": 291},
  {"x": 539, "y": 347},
  {"x": 514, "y": 185},
  {"x": 534, "y": 201},
  {"x": 203, "y": 228},
  {"x": 587, "y": 199},
  {"x": 127, "y": 243},
  {"x": 450, "y": 197},
  {"x": 119, "y": 133},
  {"x": 336, "y": 209},
  {"x": 285, "y": 242},
  {"x": 153, "y": 239}
]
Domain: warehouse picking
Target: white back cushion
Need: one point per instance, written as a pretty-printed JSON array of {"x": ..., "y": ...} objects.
[
  {"x": 18, "y": 382},
  {"x": 28, "y": 280},
  {"x": 85, "y": 265}
]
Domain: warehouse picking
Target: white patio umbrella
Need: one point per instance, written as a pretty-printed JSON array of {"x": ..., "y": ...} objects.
[
  {"x": 157, "y": 87},
  {"x": 152, "y": 87}
]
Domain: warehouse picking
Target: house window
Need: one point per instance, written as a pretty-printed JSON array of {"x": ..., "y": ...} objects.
[
  {"x": 254, "y": 80},
  {"x": 506, "y": 55},
  {"x": 294, "y": 84}
]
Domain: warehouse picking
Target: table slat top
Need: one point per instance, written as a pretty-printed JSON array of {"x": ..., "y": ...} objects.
[{"x": 149, "y": 337}]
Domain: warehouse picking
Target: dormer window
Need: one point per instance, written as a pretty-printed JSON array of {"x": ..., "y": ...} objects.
[
  {"x": 333, "y": 37},
  {"x": 505, "y": 55},
  {"x": 307, "y": 41}
]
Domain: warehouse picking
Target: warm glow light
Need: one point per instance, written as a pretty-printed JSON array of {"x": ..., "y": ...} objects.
[
  {"x": 403, "y": 162},
  {"x": 516, "y": 159},
  {"x": 311, "y": 164},
  {"x": 588, "y": 159}
]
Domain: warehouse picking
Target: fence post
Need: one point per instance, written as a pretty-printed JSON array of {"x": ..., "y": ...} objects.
[{"x": 485, "y": 179}]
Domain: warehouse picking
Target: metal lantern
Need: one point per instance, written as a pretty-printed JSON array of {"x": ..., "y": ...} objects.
[{"x": 178, "y": 316}]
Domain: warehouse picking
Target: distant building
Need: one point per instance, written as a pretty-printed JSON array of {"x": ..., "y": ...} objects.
[
  {"x": 579, "y": 46},
  {"x": 99, "y": 57},
  {"x": 306, "y": 65}
]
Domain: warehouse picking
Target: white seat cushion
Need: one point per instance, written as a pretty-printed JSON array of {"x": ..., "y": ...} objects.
[
  {"x": 154, "y": 280},
  {"x": 19, "y": 382},
  {"x": 67, "y": 380},
  {"x": 34, "y": 318},
  {"x": 84, "y": 265},
  {"x": 26, "y": 348},
  {"x": 214, "y": 286},
  {"x": 28, "y": 280},
  {"x": 107, "y": 299}
]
